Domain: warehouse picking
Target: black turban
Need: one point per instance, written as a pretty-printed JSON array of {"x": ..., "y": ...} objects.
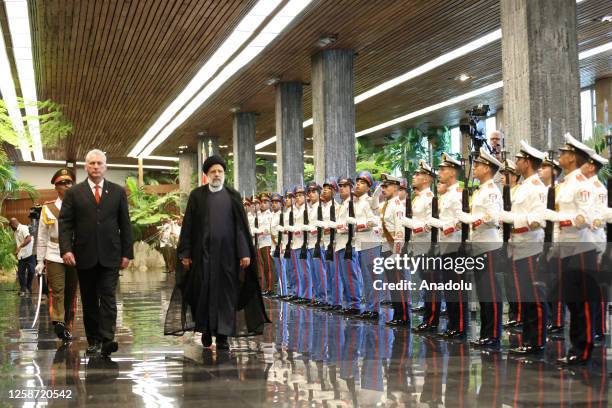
[{"x": 211, "y": 161}]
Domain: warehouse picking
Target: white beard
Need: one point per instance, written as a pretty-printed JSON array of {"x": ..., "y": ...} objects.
[{"x": 216, "y": 186}]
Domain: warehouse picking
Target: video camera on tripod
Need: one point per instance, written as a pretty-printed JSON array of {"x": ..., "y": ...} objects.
[{"x": 477, "y": 136}]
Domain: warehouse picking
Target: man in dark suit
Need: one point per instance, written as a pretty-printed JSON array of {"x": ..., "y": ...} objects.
[{"x": 95, "y": 235}]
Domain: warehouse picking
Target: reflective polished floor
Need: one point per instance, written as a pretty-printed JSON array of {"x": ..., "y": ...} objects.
[{"x": 306, "y": 357}]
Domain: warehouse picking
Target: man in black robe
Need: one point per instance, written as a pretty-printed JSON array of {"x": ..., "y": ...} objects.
[{"x": 217, "y": 290}]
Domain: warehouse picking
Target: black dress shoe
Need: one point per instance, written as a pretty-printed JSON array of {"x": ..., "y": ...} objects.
[
  {"x": 351, "y": 312},
  {"x": 526, "y": 350},
  {"x": 555, "y": 329},
  {"x": 221, "y": 343},
  {"x": 456, "y": 334},
  {"x": 206, "y": 340},
  {"x": 425, "y": 328},
  {"x": 336, "y": 308},
  {"x": 599, "y": 338},
  {"x": 109, "y": 347},
  {"x": 93, "y": 349},
  {"x": 511, "y": 323},
  {"x": 572, "y": 360},
  {"x": 398, "y": 323},
  {"x": 60, "y": 330},
  {"x": 486, "y": 342},
  {"x": 418, "y": 309},
  {"x": 67, "y": 336}
]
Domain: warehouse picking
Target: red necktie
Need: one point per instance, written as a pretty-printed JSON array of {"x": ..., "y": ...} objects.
[{"x": 97, "y": 194}]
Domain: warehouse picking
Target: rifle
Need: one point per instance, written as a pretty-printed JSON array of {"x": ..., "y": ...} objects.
[
  {"x": 550, "y": 197},
  {"x": 435, "y": 212},
  {"x": 256, "y": 226},
  {"x": 329, "y": 256},
  {"x": 348, "y": 252},
  {"x": 408, "y": 231},
  {"x": 609, "y": 144},
  {"x": 304, "y": 251},
  {"x": 465, "y": 203},
  {"x": 289, "y": 235},
  {"x": 317, "y": 249},
  {"x": 280, "y": 234},
  {"x": 507, "y": 228}
]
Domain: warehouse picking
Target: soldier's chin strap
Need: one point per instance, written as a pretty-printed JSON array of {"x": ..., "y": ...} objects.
[{"x": 40, "y": 287}]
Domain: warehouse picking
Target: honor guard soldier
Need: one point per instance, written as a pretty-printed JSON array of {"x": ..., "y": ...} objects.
[
  {"x": 279, "y": 262},
  {"x": 301, "y": 267},
  {"x": 62, "y": 279},
  {"x": 590, "y": 170},
  {"x": 264, "y": 243},
  {"x": 290, "y": 266},
  {"x": 367, "y": 243},
  {"x": 317, "y": 265},
  {"x": 511, "y": 278},
  {"x": 526, "y": 245},
  {"x": 392, "y": 214},
  {"x": 352, "y": 283},
  {"x": 486, "y": 242},
  {"x": 576, "y": 248},
  {"x": 450, "y": 238},
  {"x": 420, "y": 242},
  {"x": 334, "y": 282}
]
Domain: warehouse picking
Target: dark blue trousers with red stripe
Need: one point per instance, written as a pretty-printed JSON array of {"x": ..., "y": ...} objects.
[
  {"x": 489, "y": 296},
  {"x": 581, "y": 295},
  {"x": 533, "y": 302},
  {"x": 456, "y": 300},
  {"x": 352, "y": 283}
]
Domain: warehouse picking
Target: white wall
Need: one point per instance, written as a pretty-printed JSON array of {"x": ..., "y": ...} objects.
[{"x": 40, "y": 176}]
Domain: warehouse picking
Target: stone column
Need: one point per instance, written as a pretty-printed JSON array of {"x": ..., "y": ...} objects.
[
  {"x": 603, "y": 93},
  {"x": 540, "y": 71},
  {"x": 244, "y": 152},
  {"x": 187, "y": 163},
  {"x": 333, "y": 113},
  {"x": 289, "y": 135}
]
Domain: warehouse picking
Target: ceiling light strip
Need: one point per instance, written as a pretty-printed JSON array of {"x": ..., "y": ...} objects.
[
  {"x": 245, "y": 29},
  {"x": 19, "y": 27},
  {"x": 276, "y": 25},
  {"x": 7, "y": 89},
  {"x": 432, "y": 108}
]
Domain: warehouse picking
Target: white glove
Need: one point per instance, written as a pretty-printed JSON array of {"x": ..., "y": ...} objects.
[
  {"x": 351, "y": 220},
  {"x": 506, "y": 217},
  {"x": 408, "y": 222},
  {"x": 549, "y": 215},
  {"x": 280, "y": 228},
  {"x": 332, "y": 224},
  {"x": 255, "y": 231},
  {"x": 466, "y": 218},
  {"x": 320, "y": 224},
  {"x": 40, "y": 267},
  {"x": 608, "y": 215},
  {"x": 435, "y": 222},
  {"x": 305, "y": 227}
]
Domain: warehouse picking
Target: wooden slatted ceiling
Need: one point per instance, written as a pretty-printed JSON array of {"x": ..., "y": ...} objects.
[
  {"x": 389, "y": 41},
  {"x": 115, "y": 64}
]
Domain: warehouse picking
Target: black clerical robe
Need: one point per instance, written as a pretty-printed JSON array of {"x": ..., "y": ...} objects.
[{"x": 215, "y": 295}]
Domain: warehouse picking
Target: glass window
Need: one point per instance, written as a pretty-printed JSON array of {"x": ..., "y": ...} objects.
[
  {"x": 586, "y": 113},
  {"x": 455, "y": 142}
]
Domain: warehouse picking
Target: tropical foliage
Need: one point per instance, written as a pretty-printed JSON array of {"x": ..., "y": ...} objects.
[
  {"x": 149, "y": 209},
  {"x": 598, "y": 142},
  {"x": 53, "y": 125},
  {"x": 264, "y": 174}
]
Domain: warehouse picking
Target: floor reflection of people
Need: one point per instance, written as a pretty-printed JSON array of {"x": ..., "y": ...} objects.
[
  {"x": 399, "y": 372},
  {"x": 492, "y": 381},
  {"x": 431, "y": 394},
  {"x": 457, "y": 375}
]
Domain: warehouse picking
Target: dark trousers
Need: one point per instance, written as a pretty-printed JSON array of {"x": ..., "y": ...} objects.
[
  {"x": 432, "y": 298},
  {"x": 98, "y": 295},
  {"x": 581, "y": 295},
  {"x": 25, "y": 272},
  {"x": 555, "y": 293},
  {"x": 265, "y": 267},
  {"x": 489, "y": 296},
  {"x": 456, "y": 301},
  {"x": 533, "y": 304},
  {"x": 513, "y": 290},
  {"x": 601, "y": 306},
  {"x": 400, "y": 299}
]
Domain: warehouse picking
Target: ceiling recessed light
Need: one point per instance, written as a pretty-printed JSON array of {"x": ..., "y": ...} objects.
[
  {"x": 272, "y": 80},
  {"x": 223, "y": 146},
  {"x": 463, "y": 77},
  {"x": 326, "y": 40},
  {"x": 235, "y": 109},
  {"x": 183, "y": 147}
]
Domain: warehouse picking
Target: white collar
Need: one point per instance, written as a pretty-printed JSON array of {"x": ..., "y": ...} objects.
[{"x": 92, "y": 184}]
